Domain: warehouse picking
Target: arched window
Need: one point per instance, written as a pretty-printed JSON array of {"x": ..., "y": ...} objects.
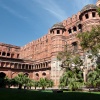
[
  {"x": 86, "y": 16},
  {"x": 58, "y": 31},
  {"x": 75, "y": 46},
  {"x": 69, "y": 31},
  {"x": 93, "y": 14},
  {"x": 74, "y": 28},
  {"x": 3, "y": 54},
  {"x": 8, "y": 54},
  {"x": 79, "y": 26},
  {"x": 44, "y": 74},
  {"x": 37, "y": 74}
]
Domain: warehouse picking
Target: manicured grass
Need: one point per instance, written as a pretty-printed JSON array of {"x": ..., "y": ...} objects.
[{"x": 15, "y": 94}]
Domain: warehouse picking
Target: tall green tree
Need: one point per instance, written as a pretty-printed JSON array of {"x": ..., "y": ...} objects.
[
  {"x": 72, "y": 78},
  {"x": 69, "y": 59},
  {"x": 93, "y": 78},
  {"x": 21, "y": 80},
  {"x": 29, "y": 83},
  {"x": 44, "y": 82},
  {"x": 90, "y": 40}
]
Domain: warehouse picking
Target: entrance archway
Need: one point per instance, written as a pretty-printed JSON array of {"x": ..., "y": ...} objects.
[{"x": 2, "y": 75}]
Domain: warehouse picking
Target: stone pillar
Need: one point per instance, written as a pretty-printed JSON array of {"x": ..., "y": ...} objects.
[
  {"x": 17, "y": 65},
  {"x": 85, "y": 71},
  {"x": 45, "y": 65}
]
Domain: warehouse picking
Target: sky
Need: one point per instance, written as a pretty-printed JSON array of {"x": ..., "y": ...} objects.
[{"x": 22, "y": 21}]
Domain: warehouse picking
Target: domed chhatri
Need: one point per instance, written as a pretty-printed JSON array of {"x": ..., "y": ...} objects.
[
  {"x": 58, "y": 25},
  {"x": 88, "y": 7}
]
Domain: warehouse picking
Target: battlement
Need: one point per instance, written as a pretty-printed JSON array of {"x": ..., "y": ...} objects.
[{"x": 9, "y": 45}]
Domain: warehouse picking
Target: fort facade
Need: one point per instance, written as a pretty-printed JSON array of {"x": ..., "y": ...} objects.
[{"x": 39, "y": 58}]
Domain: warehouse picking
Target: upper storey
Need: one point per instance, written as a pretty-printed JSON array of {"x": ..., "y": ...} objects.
[
  {"x": 9, "y": 51},
  {"x": 83, "y": 20}
]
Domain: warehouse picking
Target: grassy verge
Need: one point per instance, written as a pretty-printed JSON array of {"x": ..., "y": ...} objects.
[{"x": 15, "y": 94}]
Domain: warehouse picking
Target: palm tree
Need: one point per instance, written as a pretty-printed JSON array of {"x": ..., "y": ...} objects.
[
  {"x": 29, "y": 83},
  {"x": 43, "y": 83},
  {"x": 50, "y": 82},
  {"x": 7, "y": 82},
  {"x": 21, "y": 79},
  {"x": 93, "y": 78},
  {"x": 36, "y": 84},
  {"x": 72, "y": 78}
]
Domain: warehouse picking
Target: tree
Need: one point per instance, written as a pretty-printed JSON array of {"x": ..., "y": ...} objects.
[
  {"x": 36, "y": 84},
  {"x": 13, "y": 82},
  {"x": 29, "y": 83},
  {"x": 44, "y": 82},
  {"x": 93, "y": 78},
  {"x": 72, "y": 78},
  {"x": 90, "y": 43},
  {"x": 50, "y": 82},
  {"x": 69, "y": 59},
  {"x": 21, "y": 80},
  {"x": 98, "y": 10},
  {"x": 90, "y": 40},
  {"x": 7, "y": 82}
]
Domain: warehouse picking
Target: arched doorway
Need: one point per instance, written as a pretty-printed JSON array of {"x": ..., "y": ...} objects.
[
  {"x": 2, "y": 80},
  {"x": 2, "y": 75}
]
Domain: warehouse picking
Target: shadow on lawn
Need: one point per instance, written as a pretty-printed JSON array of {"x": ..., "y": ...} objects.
[{"x": 15, "y": 94}]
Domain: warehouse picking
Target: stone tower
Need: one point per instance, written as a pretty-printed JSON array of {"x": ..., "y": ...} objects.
[
  {"x": 98, "y": 3},
  {"x": 58, "y": 42}
]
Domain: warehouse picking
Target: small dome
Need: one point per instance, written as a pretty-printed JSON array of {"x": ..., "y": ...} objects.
[
  {"x": 58, "y": 25},
  {"x": 88, "y": 7}
]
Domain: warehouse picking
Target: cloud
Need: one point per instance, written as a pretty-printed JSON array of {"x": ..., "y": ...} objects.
[
  {"x": 53, "y": 8},
  {"x": 10, "y": 10}
]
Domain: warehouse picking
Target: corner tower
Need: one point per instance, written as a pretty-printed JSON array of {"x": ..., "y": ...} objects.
[
  {"x": 98, "y": 3},
  {"x": 89, "y": 16},
  {"x": 58, "y": 41}
]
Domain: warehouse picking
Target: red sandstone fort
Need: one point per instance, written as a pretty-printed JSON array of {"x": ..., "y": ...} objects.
[{"x": 39, "y": 58}]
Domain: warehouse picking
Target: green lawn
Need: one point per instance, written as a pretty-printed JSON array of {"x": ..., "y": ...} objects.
[{"x": 15, "y": 94}]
